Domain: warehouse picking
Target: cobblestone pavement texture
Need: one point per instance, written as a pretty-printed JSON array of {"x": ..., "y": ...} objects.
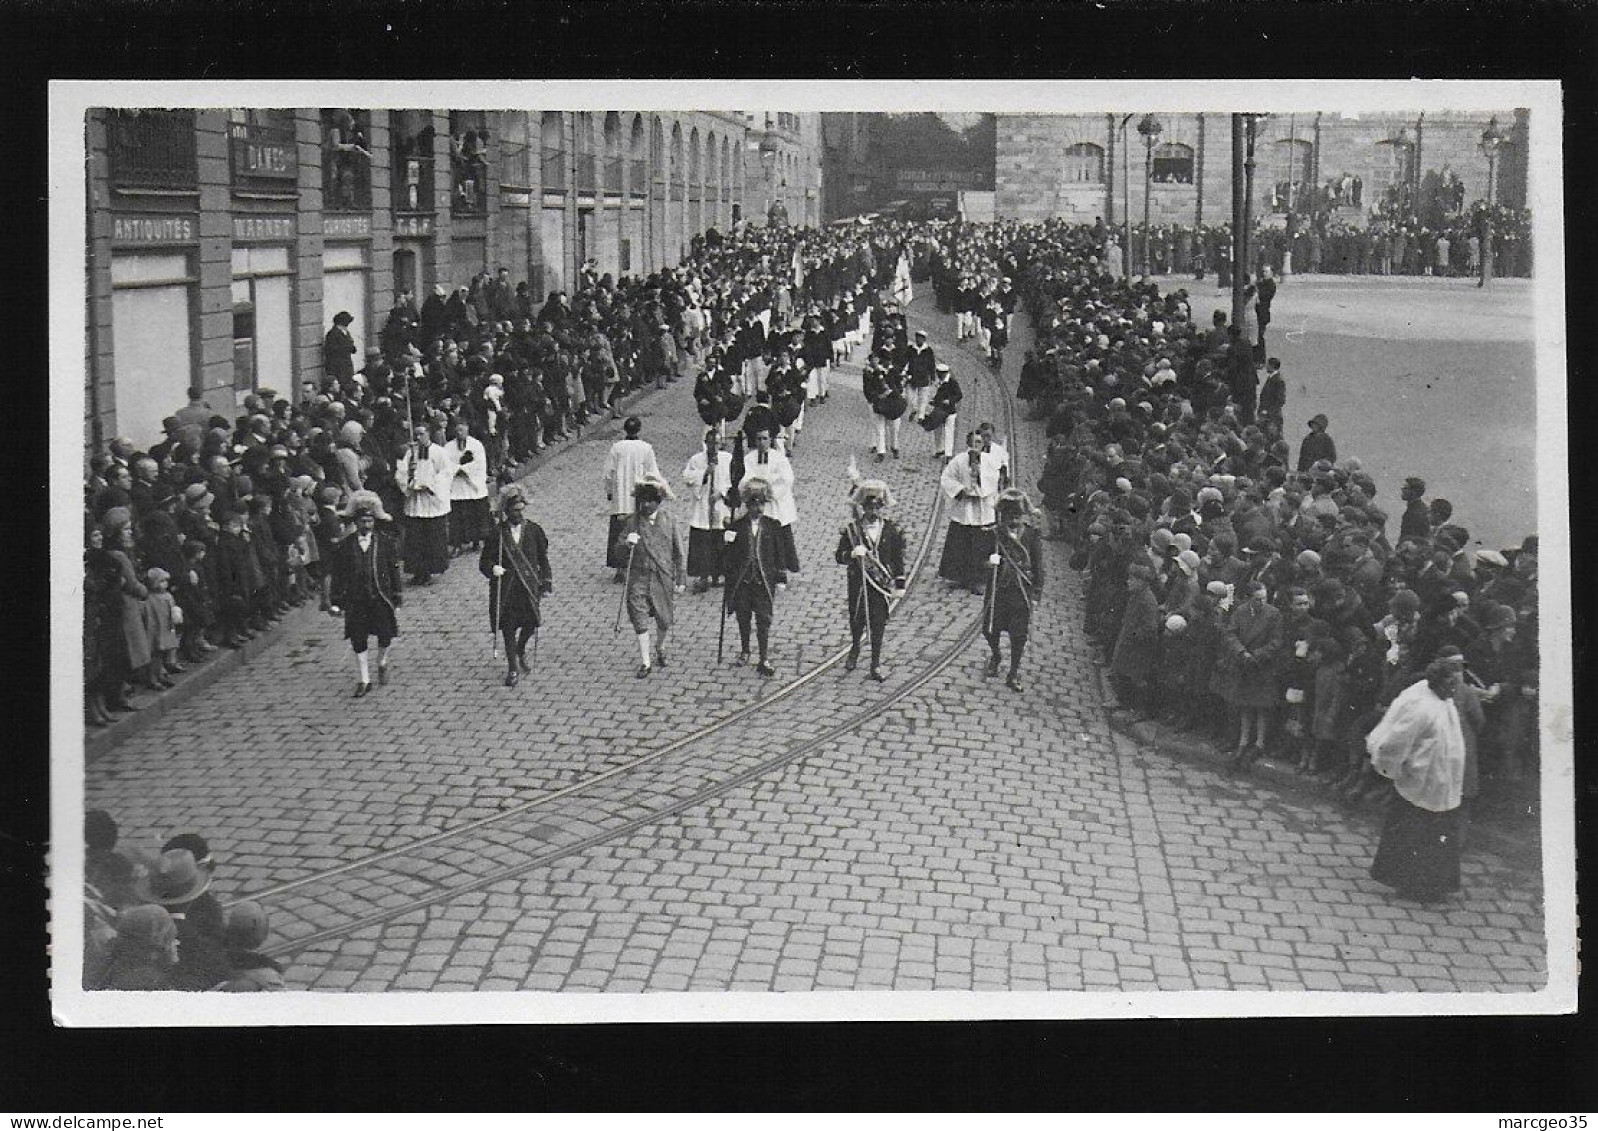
[{"x": 963, "y": 838}]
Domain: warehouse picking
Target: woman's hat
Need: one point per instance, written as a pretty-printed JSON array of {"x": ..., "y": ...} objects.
[
  {"x": 1498, "y": 616},
  {"x": 173, "y": 879},
  {"x": 246, "y": 925},
  {"x": 1188, "y": 562},
  {"x": 1175, "y": 623},
  {"x": 1216, "y": 589},
  {"x": 148, "y": 925},
  {"x": 156, "y": 574}
]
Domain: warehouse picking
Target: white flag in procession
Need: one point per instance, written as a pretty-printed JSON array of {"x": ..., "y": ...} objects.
[{"x": 901, "y": 282}]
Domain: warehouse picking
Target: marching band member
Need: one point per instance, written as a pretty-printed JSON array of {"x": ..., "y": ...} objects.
[{"x": 884, "y": 390}]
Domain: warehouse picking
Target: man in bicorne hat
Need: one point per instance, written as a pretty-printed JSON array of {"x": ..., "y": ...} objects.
[
  {"x": 515, "y": 559},
  {"x": 656, "y": 565},
  {"x": 872, "y": 547},
  {"x": 366, "y": 587}
]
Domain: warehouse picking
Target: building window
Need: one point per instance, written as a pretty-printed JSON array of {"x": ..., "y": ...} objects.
[
  {"x": 1173, "y": 164},
  {"x": 552, "y": 169},
  {"x": 152, "y": 324},
  {"x": 346, "y": 160},
  {"x": 152, "y": 150},
  {"x": 262, "y": 152},
  {"x": 262, "y": 320},
  {"x": 1084, "y": 164},
  {"x": 411, "y": 136},
  {"x": 468, "y": 158}
]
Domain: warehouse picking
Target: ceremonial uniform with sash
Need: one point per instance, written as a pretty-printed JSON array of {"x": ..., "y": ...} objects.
[
  {"x": 1014, "y": 584},
  {"x": 515, "y": 559},
  {"x": 874, "y": 576},
  {"x": 659, "y": 567}
]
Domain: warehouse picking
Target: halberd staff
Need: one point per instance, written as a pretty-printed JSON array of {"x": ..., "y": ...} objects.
[
  {"x": 872, "y": 547},
  {"x": 515, "y": 559}
]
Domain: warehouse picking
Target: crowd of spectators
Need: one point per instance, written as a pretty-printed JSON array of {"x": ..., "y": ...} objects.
[
  {"x": 1232, "y": 587},
  {"x": 152, "y": 919},
  {"x": 1396, "y": 244}
]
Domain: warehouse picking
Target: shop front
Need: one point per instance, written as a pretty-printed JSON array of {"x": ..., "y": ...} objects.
[{"x": 154, "y": 300}]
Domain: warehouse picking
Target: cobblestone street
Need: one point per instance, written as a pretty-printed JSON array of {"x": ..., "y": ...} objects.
[{"x": 708, "y": 830}]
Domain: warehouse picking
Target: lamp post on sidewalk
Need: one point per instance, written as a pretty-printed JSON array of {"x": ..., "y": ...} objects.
[
  {"x": 1126, "y": 202},
  {"x": 1491, "y": 139},
  {"x": 1149, "y": 126}
]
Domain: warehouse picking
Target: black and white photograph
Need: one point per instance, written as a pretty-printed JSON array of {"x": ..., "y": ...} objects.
[{"x": 576, "y": 552}]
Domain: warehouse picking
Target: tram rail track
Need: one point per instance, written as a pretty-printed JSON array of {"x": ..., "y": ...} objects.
[{"x": 790, "y": 754}]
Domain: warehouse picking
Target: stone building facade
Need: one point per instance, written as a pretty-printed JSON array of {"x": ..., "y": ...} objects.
[
  {"x": 1084, "y": 166},
  {"x": 222, "y": 242},
  {"x": 782, "y": 167}
]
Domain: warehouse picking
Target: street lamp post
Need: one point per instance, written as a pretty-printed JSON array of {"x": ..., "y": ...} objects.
[
  {"x": 1126, "y": 203},
  {"x": 1491, "y": 138},
  {"x": 1149, "y": 126}
]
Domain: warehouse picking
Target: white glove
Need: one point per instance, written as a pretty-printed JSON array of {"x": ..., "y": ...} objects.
[
  {"x": 681, "y": 588},
  {"x": 335, "y": 610},
  {"x": 730, "y": 536},
  {"x": 898, "y": 594},
  {"x": 499, "y": 571},
  {"x": 858, "y": 552},
  {"x": 632, "y": 539},
  {"x": 993, "y": 559}
]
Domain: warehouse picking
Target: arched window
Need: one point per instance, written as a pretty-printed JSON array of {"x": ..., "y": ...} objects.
[
  {"x": 613, "y": 157},
  {"x": 1084, "y": 164},
  {"x": 638, "y": 154},
  {"x": 553, "y": 154},
  {"x": 1173, "y": 164}
]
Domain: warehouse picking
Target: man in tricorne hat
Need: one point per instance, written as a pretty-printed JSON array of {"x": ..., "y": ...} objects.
[
  {"x": 515, "y": 559},
  {"x": 754, "y": 571},
  {"x": 1015, "y": 581},
  {"x": 366, "y": 588},
  {"x": 871, "y": 545},
  {"x": 922, "y": 365},
  {"x": 656, "y": 566}
]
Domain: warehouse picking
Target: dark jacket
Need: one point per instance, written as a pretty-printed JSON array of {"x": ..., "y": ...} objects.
[
  {"x": 751, "y": 581},
  {"x": 370, "y": 576}
]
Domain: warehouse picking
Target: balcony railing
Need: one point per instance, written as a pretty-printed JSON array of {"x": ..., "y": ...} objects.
[
  {"x": 264, "y": 156},
  {"x": 639, "y": 185},
  {"x": 615, "y": 170},
  {"x": 553, "y": 170},
  {"x": 152, "y": 149}
]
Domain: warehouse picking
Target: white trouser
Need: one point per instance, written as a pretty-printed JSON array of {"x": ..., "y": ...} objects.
[
  {"x": 982, "y": 336},
  {"x": 948, "y": 436},
  {"x": 1009, "y": 325},
  {"x": 887, "y": 433},
  {"x": 920, "y": 400},
  {"x": 962, "y": 325}
]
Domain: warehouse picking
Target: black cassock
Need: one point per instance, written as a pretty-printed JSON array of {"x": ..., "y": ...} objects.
[{"x": 516, "y": 596}]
